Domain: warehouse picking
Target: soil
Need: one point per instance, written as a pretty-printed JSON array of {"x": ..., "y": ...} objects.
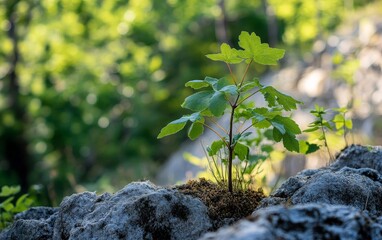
[{"x": 223, "y": 206}]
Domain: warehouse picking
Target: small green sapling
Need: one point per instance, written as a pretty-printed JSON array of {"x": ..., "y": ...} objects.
[{"x": 216, "y": 97}]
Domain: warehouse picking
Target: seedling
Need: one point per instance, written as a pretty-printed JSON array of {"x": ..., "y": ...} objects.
[
  {"x": 216, "y": 97},
  {"x": 321, "y": 125},
  {"x": 339, "y": 124},
  {"x": 342, "y": 123}
]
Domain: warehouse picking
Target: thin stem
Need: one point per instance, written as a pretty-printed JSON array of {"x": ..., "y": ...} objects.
[
  {"x": 326, "y": 142},
  {"x": 245, "y": 73},
  {"x": 232, "y": 75},
  {"x": 249, "y": 96},
  {"x": 241, "y": 125},
  {"x": 246, "y": 129},
  {"x": 230, "y": 150},
  {"x": 219, "y": 126},
  {"x": 213, "y": 130}
]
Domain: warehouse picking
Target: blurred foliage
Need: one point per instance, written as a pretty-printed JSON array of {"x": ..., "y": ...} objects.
[
  {"x": 96, "y": 80},
  {"x": 10, "y": 205}
]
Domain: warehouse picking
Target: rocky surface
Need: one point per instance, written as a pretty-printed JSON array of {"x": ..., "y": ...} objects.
[
  {"x": 341, "y": 201},
  {"x": 303, "y": 222},
  {"x": 138, "y": 211},
  {"x": 354, "y": 180}
]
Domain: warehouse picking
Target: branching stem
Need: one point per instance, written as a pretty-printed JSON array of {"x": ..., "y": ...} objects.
[
  {"x": 245, "y": 73},
  {"x": 232, "y": 75},
  {"x": 220, "y": 136}
]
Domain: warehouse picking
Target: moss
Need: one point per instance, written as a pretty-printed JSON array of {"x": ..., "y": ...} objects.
[{"x": 223, "y": 206}]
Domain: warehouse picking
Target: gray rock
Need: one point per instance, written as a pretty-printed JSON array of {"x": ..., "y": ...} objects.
[
  {"x": 357, "y": 156},
  {"x": 35, "y": 223},
  {"x": 138, "y": 211},
  {"x": 359, "y": 185},
  {"x": 305, "y": 222}
]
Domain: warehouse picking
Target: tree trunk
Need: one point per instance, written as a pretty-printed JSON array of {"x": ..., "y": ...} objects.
[{"x": 15, "y": 153}]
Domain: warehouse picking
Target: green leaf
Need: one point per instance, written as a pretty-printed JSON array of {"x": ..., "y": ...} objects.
[
  {"x": 274, "y": 97},
  {"x": 8, "y": 206},
  {"x": 215, "y": 147},
  {"x": 267, "y": 148},
  {"x": 257, "y": 51},
  {"x": 210, "y": 80},
  {"x": 229, "y": 90},
  {"x": 197, "y": 84},
  {"x": 248, "y": 86},
  {"x": 279, "y": 127},
  {"x": 311, "y": 129},
  {"x": 241, "y": 151},
  {"x": 7, "y": 191},
  {"x": 171, "y": 128},
  {"x": 217, "y": 104},
  {"x": 306, "y": 147},
  {"x": 198, "y": 101},
  {"x": 227, "y": 55},
  {"x": 196, "y": 129},
  {"x": 177, "y": 125},
  {"x": 349, "y": 124},
  {"x": 221, "y": 83},
  {"x": 22, "y": 204},
  {"x": 291, "y": 143},
  {"x": 289, "y": 125},
  {"x": 277, "y": 136},
  {"x": 262, "y": 124}
]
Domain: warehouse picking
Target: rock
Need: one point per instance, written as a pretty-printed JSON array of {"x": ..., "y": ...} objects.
[
  {"x": 35, "y": 223},
  {"x": 357, "y": 156},
  {"x": 305, "y": 222},
  {"x": 351, "y": 181},
  {"x": 138, "y": 211}
]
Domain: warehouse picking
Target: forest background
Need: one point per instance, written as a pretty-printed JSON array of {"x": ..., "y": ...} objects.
[{"x": 86, "y": 86}]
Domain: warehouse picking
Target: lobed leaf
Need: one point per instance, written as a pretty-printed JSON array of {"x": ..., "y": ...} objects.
[
  {"x": 241, "y": 151},
  {"x": 306, "y": 147},
  {"x": 288, "y": 123},
  {"x": 7, "y": 191},
  {"x": 227, "y": 55},
  {"x": 291, "y": 143},
  {"x": 274, "y": 97},
  {"x": 257, "y": 51},
  {"x": 215, "y": 147}
]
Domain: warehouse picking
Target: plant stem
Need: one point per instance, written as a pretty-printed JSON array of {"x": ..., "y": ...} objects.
[
  {"x": 219, "y": 126},
  {"x": 233, "y": 76},
  {"x": 248, "y": 96},
  {"x": 213, "y": 130},
  {"x": 326, "y": 142},
  {"x": 245, "y": 73},
  {"x": 230, "y": 148}
]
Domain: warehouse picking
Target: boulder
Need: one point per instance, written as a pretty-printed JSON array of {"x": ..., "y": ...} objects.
[
  {"x": 354, "y": 180},
  {"x": 303, "y": 222},
  {"x": 34, "y": 223},
  {"x": 139, "y": 211}
]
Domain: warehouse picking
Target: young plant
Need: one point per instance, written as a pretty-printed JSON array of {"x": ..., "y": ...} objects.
[
  {"x": 216, "y": 97},
  {"x": 339, "y": 124},
  {"x": 342, "y": 124},
  {"x": 9, "y": 207}
]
